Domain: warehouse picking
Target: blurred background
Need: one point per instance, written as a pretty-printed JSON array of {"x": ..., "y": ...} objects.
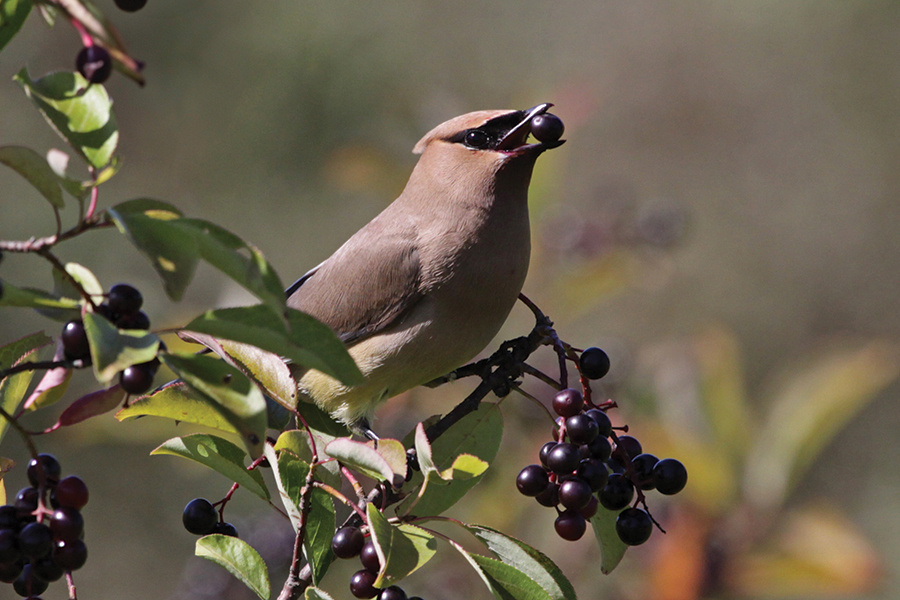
[{"x": 724, "y": 221}]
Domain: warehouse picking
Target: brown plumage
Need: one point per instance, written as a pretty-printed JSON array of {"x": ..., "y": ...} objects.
[{"x": 425, "y": 285}]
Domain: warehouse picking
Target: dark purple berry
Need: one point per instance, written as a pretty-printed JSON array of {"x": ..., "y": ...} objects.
[
  {"x": 634, "y": 526},
  {"x": 71, "y": 556},
  {"x": 604, "y": 425},
  {"x": 568, "y": 402},
  {"x": 545, "y": 450},
  {"x": 35, "y": 540},
  {"x": 392, "y": 593},
  {"x": 617, "y": 493},
  {"x": 547, "y": 127},
  {"x": 574, "y": 493},
  {"x": 26, "y": 503},
  {"x": 594, "y": 363},
  {"x": 593, "y": 472},
  {"x": 28, "y": 584},
  {"x": 599, "y": 448},
  {"x": 10, "y": 571},
  {"x": 532, "y": 480},
  {"x": 563, "y": 458},
  {"x": 368, "y": 556},
  {"x": 131, "y": 5},
  {"x": 362, "y": 584},
  {"x": 200, "y": 516},
  {"x": 47, "y": 569},
  {"x": 67, "y": 524},
  {"x": 591, "y": 509},
  {"x": 9, "y": 518},
  {"x": 50, "y": 467},
  {"x": 626, "y": 445},
  {"x": 9, "y": 547},
  {"x": 581, "y": 429},
  {"x": 347, "y": 542},
  {"x": 95, "y": 63},
  {"x": 225, "y": 528},
  {"x": 135, "y": 320},
  {"x": 550, "y": 496},
  {"x": 71, "y": 491},
  {"x": 138, "y": 379},
  {"x": 670, "y": 476},
  {"x": 75, "y": 340},
  {"x": 124, "y": 299},
  {"x": 642, "y": 470},
  {"x": 570, "y": 525}
]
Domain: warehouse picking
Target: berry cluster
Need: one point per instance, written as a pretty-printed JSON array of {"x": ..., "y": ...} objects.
[
  {"x": 38, "y": 545},
  {"x": 201, "y": 518},
  {"x": 349, "y": 542},
  {"x": 589, "y": 465},
  {"x": 123, "y": 309}
]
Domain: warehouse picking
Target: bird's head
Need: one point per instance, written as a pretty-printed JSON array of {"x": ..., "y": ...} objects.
[{"x": 485, "y": 142}]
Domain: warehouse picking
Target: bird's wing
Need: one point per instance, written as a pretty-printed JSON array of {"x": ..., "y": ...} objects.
[{"x": 364, "y": 287}]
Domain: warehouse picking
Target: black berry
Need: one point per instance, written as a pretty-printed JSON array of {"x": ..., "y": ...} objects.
[
  {"x": 67, "y": 524},
  {"x": 547, "y": 127},
  {"x": 75, "y": 340},
  {"x": 138, "y": 379},
  {"x": 131, "y": 5},
  {"x": 26, "y": 503},
  {"x": 574, "y": 493},
  {"x": 95, "y": 63},
  {"x": 604, "y": 425},
  {"x": 670, "y": 476},
  {"x": 568, "y": 402},
  {"x": 347, "y": 542},
  {"x": 563, "y": 458},
  {"x": 617, "y": 493},
  {"x": 368, "y": 556},
  {"x": 392, "y": 593},
  {"x": 550, "y": 496},
  {"x": 532, "y": 480},
  {"x": 581, "y": 429},
  {"x": 35, "y": 540},
  {"x": 136, "y": 320},
  {"x": 28, "y": 584},
  {"x": 71, "y": 491},
  {"x": 124, "y": 299},
  {"x": 8, "y": 518},
  {"x": 225, "y": 528},
  {"x": 200, "y": 516},
  {"x": 599, "y": 448},
  {"x": 594, "y": 363},
  {"x": 545, "y": 450},
  {"x": 593, "y": 472},
  {"x": 591, "y": 509},
  {"x": 47, "y": 569},
  {"x": 634, "y": 526},
  {"x": 570, "y": 525},
  {"x": 10, "y": 571},
  {"x": 627, "y": 447},
  {"x": 642, "y": 466},
  {"x": 9, "y": 547},
  {"x": 361, "y": 584},
  {"x": 71, "y": 556},
  {"x": 50, "y": 466}
]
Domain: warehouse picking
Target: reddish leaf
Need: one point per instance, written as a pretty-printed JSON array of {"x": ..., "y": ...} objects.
[{"x": 95, "y": 403}]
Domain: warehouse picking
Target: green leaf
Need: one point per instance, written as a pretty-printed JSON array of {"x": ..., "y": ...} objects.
[
  {"x": 238, "y": 558},
  {"x": 526, "y": 559},
  {"x": 297, "y": 442},
  {"x": 508, "y": 582},
  {"x": 85, "y": 278},
  {"x": 320, "y": 526},
  {"x": 241, "y": 403},
  {"x": 812, "y": 406},
  {"x": 219, "y": 455},
  {"x": 45, "y": 302},
  {"x": 314, "y": 593},
  {"x": 180, "y": 403},
  {"x": 290, "y": 477},
  {"x": 612, "y": 549},
  {"x": 12, "y": 15},
  {"x": 301, "y": 338},
  {"x": 34, "y": 168},
  {"x": 363, "y": 457},
  {"x": 80, "y": 113},
  {"x": 402, "y": 549},
  {"x": 112, "y": 349},
  {"x": 477, "y": 435},
  {"x": 14, "y": 387}
]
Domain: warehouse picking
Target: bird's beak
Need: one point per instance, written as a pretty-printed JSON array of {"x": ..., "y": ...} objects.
[{"x": 514, "y": 140}]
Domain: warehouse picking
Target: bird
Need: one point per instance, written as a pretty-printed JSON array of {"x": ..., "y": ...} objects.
[{"x": 425, "y": 285}]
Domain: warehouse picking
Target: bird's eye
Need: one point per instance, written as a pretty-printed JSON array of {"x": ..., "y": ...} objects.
[{"x": 477, "y": 139}]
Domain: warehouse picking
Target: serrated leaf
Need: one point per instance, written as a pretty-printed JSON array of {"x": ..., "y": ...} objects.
[
  {"x": 527, "y": 559},
  {"x": 34, "y": 168},
  {"x": 14, "y": 387},
  {"x": 12, "y": 15},
  {"x": 402, "y": 549},
  {"x": 91, "y": 405},
  {"x": 241, "y": 402},
  {"x": 508, "y": 582},
  {"x": 80, "y": 113},
  {"x": 363, "y": 457},
  {"x": 477, "y": 434},
  {"x": 180, "y": 403},
  {"x": 112, "y": 349},
  {"x": 612, "y": 549},
  {"x": 314, "y": 593},
  {"x": 219, "y": 455},
  {"x": 238, "y": 558},
  {"x": 300, "y": 338}
]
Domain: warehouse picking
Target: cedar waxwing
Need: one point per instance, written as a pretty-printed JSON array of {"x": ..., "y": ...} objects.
[{"x": 426, "y": 285}]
